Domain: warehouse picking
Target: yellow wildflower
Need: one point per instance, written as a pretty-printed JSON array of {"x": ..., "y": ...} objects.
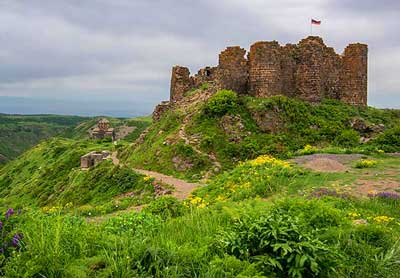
[
  {"x": 264, "y": 159},
  {"x": 353, "y": 215},
  {"x": 146, "y": 178},
  {"x": 220, "y": 198},
  {"x": 383, "y": 219}
]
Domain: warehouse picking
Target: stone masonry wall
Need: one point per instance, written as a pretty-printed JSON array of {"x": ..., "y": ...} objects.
[
  {"x": 232, "y": 73},
  {"x": 265, "y": 69},
  {"x": 309, "y": 70},
  {"x": 354, "y": 74},
  {"x": 180, "y": 83}
]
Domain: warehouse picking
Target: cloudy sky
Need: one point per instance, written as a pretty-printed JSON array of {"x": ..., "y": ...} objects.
[{"x": 73, "y": 55}]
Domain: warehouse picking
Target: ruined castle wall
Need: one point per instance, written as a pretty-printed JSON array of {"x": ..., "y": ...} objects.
[
  {"x": 309, "y": 70},
  {"x": 265, "y": 69},
  {"x": 207, "y": 74},
  {"x": 233, "y": 70},
  {"x": 331, "y": 73},
  {"x": 308, "y": 75},
  {"x": 354, "y": 75},
  {"x": 288, "y": 69},
  {"x": 180, "y": 83}
]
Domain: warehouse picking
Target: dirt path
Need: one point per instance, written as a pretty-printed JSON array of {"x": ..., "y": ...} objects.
[
  {"x": 114, "y": 158},
  {"x": 182, "y": 188},
  {"x": 182, "y": 134}
]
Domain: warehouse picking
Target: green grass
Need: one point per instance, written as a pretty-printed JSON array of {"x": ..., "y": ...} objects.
[
  {"x": 263, "y": 217},
  {"x": 163, "y": 151},
  {"x": 226, "y": 240},
  {"x": 18, "y": 133},
  {"x": 239, "y": 128},
  {"x": 50, "y": 175}
]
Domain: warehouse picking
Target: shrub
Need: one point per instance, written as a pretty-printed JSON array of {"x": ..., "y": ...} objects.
[
  {"x": 388, "y": 141},
  {"x": 166, "y": 207},
  {"x": 308, "y": 149},
  {"x": 366, "y": 163},
  {"x": 279, "y": 246},
  {"x": 258, "y": 177},
  {"x": 223, "y": 102},
  {"x": 348, "y": 138}
]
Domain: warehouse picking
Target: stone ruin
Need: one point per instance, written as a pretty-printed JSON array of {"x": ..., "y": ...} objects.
[
  {"x": 93, "y": 158},
  {"x": 309, "y": 71},
  {"x": 103, "y": 130}
]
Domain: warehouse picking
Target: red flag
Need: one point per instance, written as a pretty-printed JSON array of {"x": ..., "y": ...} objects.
[{"x": 315, "y": 22}]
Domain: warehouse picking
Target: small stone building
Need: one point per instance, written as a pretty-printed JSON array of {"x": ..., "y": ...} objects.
[
  {"x": 93, "y": 158},
  {"x": 103, "y": 130}
]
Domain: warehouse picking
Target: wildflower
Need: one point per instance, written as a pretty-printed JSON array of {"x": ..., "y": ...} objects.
[
  {"x": 1, "y": 225},
  {"x": 267, "y": 159},
  {"x": 383, "y": 219},
  {"x": 9, "y": 212},
  {"x": 386, "y": 195},
  {"x": 372, "y": 193},
  {"x": 220, "y": 198},
  {"x": 353, "y": 215},
  {"x": 16, "y": 239},
  {"x": 146, "y": 178},
  {"x": 366, "y": 163}
]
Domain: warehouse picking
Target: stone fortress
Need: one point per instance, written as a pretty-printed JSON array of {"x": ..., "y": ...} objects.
[
  {"x": 309, "y": 71},
  {"x": 103, "y": 130}
]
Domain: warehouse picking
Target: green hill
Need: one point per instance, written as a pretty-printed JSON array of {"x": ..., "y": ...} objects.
[
  {"x": 262, "y": 210},
  {"x": 49, "y": 175},
  {"x": 20, "y": 132},
  {"x": 200, "y": 138}
]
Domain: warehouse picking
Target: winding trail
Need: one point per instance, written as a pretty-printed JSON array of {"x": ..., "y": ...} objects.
[
  {"x": 182, "y": 134},
  {"x": 182, "y": 188}
]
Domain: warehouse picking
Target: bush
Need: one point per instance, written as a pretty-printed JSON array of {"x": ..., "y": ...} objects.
[
  {"x": 223, "y": 102},
  {"x": 279, "y": 246},
  {"x": 258, "y": 177},
  {"x": 389, "y": 141},
  {"x": 166, "y": 207},
  {"x": 366, "y": 163},
  {"x": 348, "y": 138}
]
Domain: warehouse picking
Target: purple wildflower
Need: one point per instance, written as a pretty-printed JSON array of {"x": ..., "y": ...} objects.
[
  {"x": 320, "y": 192},
  {"x": 16, "y": 239},
  {"x": 1, "y": 225},
  {"x": 9, "y": 212},
  {"x": 1, "y": 250},
  {"x": 386, "y": 195}
]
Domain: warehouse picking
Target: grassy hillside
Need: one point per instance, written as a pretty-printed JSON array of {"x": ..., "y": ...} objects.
[
  {"x": 50, "y": 175},
  {"x": 264, "y": 218},
  {"x": 264, "y": 210},
  {"x": 225, "y": 129},
  {"x": 20, "y": 132}
]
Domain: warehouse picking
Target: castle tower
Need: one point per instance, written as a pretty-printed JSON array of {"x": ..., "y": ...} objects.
[
  {"x": 265, "y": 69},
  {"x": 310, "y": 69},
  {"x": 180, "y": 83},
  {"x": 354, "y": 74},
  {"x": 232, "y": 69}
]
